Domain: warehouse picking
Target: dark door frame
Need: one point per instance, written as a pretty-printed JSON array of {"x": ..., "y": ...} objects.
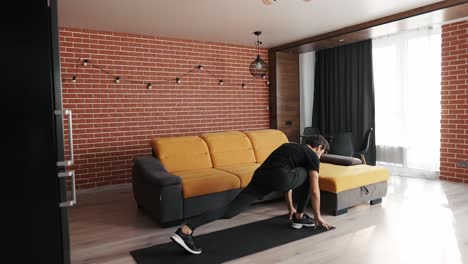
[{"x": 37, "y": 227}]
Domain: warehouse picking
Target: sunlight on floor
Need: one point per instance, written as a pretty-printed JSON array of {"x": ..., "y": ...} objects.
[{"x": 421, "y": 225}]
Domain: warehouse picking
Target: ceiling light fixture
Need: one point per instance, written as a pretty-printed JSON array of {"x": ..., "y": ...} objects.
[
  {"x": 258, "y": 67},
  {"x": 268, "y": 2}
]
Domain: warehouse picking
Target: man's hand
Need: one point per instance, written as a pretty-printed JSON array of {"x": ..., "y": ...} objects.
[
  {"x": 320, "y": 222},
  {"x": 292, "y": 211}
]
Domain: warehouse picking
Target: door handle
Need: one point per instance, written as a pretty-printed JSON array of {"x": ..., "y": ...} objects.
[
  {"x": 70, "y": 137},
  {"x": 73, "y": 188}
]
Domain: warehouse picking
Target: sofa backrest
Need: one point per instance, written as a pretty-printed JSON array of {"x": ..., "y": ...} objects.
[
  {"x": 231, "y": 147},
  {"x": 265, "y": 141},
  {"x": 182, "y": 153}
]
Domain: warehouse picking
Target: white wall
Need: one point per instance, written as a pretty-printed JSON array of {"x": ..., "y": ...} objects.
[{"x": 306, "y": 84}]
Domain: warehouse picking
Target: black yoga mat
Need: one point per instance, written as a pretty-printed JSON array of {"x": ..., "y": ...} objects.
[{"x": 228, "y": 244}]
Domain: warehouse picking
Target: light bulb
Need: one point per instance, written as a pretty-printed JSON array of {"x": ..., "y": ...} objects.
[
  {"x": 149, "y": 86},
  {"x": 258, "y": 66}
]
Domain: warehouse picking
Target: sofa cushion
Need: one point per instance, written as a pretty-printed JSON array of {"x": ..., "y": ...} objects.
[
  {"x": 207, "y": 181},
  {"x": 265, "y": 141},
  {"x": 337, "y": 178},
  {"x": 227, "y": 148},
  {"x": 182, "y": 153},
  {"x": 243, "y": 170}
]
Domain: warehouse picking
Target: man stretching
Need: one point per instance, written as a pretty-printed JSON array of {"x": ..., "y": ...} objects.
[{"x": 291, "y": 166}]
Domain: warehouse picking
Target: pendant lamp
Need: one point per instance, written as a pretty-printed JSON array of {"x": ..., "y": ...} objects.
[{"x": 258, "y": 67}]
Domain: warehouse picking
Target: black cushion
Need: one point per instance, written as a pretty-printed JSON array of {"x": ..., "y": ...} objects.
[{"x": 340, "y": 160}]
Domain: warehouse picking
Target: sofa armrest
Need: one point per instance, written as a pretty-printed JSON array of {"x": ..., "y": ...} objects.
[
  {"x": 340, "y": 160},
  {"x": 157, "y": 191},
  {"x": 151, "y": 170}
]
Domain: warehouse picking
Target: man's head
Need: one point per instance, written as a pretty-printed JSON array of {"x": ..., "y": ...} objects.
[{"x": 318, "y": 144}]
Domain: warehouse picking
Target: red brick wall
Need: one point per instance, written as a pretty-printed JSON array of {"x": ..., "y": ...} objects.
[
  {"x": 114, "y": 122},
  {"x": 454, "y": 121}
]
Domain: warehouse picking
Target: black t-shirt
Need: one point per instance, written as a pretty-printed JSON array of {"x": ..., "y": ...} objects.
[{"x": 292, "y": 155}]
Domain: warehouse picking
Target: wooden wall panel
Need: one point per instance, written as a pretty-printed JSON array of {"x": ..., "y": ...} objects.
[{"x": 287, "y": 95}]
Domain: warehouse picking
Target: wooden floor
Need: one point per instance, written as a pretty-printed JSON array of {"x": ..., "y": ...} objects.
[{"x": 419, "y": 221}]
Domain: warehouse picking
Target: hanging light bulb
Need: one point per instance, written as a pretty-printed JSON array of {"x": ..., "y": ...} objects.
[
  {"x": 221, "y": 82},
  {"x": 244, "y": 85},
  {"x": 74, "y": 79},
  {"x": 117, "y": 79},
  {"x": 85, "y": 62},
  {"x": 258, "y": 65},
  {"x": 149, "y": 86},
  {"x": 178, "y": 81}
]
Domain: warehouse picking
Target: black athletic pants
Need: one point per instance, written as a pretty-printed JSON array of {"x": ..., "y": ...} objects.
[{"x": 264, "y": 181}]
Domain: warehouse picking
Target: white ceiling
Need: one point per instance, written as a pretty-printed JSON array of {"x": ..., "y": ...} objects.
[{"x": 225, "y": 21}]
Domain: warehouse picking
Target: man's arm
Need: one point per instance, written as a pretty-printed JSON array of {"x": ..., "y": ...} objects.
[
  {"x": 315, "y": 198},
  {"x": 315, "y": 193},
  {"x": 289, "y": 203}
]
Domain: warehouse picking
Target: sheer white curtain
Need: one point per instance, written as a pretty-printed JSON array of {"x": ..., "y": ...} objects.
[{"x": 407, "y": 75}]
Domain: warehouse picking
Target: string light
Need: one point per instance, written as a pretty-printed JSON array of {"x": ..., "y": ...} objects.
[{"x": 149, "y": 85}]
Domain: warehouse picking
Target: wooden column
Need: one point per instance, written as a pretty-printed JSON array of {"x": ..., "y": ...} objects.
[{"x": 284, "y": 93}]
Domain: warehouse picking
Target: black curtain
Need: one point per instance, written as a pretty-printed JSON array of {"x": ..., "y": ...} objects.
[{"x": 344, "y": 93}]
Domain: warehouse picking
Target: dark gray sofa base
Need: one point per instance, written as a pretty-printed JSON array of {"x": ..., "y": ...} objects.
[{"x": 338, "y": 203}]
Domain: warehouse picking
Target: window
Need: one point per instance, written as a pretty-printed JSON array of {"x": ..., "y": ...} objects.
[{"x": 407, "y": 75}]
